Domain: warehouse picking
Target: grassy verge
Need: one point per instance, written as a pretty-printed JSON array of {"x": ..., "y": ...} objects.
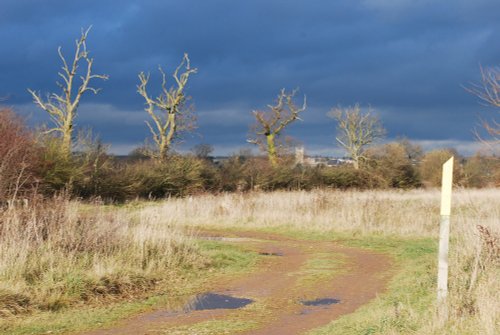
[{"x": 225, "y": 260}]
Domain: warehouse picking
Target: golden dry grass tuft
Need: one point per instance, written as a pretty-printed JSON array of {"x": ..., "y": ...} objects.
[{"x": 56, "y": 253}]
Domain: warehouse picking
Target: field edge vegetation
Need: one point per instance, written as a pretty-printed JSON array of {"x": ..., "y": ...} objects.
[{"x": 151, "y": 239}]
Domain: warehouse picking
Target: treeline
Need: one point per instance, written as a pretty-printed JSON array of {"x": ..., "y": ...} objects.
[
  {"x": 54, "y": 161},
  {"x": 34, "y": 164}
]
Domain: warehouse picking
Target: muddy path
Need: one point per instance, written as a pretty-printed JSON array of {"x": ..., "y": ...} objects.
[{"x": 298, "y": 286}]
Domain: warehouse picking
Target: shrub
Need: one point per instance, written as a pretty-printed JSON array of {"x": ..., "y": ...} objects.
[
  {"x": 481, "y": 171},
  {"x": 18, "y": 157},
  {"x": 236, "y": 174},
  {"x": 270, "y": 178},
  {"x": 99, "y": 174},
  {"x": 431, "y": 167},
  {"x": 57, "y": 172},
  {"x": 176, "y": 176},
  {"x": 393, "y": 164},
  {"x": 344, "y": 177}
]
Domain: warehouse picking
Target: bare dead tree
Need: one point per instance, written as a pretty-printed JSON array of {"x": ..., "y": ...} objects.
[
  {"x": 488, "y": 90},
  {"x": 356, "y": 130},
  {"x": 168, "y": 110},
  {"x": 62, "y": 107},
  {"x": 270, "y": 124}
]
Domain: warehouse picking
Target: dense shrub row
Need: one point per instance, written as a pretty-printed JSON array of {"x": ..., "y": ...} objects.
[{"x": 29, "y": 163}]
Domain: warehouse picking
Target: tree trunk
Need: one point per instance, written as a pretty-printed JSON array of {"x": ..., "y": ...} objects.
[
  {"x": 172, "y": 129},
  {"x": 356, "y": 163},
  {"x": 66, "y": 140},
  {"x": 162, "y": 148},
  {"x": 271, "y": 150}
]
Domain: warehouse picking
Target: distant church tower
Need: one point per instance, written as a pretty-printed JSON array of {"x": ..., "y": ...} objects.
[{"x": 299, "y": 155}]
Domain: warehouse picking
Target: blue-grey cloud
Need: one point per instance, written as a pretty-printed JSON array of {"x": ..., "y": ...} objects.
[{"x": 407, "y": 59}]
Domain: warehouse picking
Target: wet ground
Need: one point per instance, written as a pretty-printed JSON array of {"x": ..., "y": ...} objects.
[
  {"x": 210, "y": 301},
  {"x": 320, "y": 302},
  {"x": 278, "y": 295}
]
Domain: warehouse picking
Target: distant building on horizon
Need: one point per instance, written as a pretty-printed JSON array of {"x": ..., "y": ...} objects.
[{"x": 302, "y": 159}]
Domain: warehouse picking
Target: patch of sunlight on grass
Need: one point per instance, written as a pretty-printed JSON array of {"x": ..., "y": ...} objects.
[{"x": 323, "y": 266}]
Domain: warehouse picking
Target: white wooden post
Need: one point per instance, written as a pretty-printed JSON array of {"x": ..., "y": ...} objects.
[{"x": 444, "y": 237}]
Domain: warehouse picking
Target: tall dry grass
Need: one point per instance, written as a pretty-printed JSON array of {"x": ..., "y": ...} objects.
[
  {"x": 474, "y": 298},
  {"x": 413, "y": 213},
  {"x": 57, "y": 252}
]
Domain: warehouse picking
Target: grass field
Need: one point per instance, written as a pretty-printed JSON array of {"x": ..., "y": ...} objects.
[
  {"x": 402, "y": 223},
  {"x": 64, "y": 257}
]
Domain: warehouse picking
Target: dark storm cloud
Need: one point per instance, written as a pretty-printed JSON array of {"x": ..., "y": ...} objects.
[{"x": 406, "y": 59}]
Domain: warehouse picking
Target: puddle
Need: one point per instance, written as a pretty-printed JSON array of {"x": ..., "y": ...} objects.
[
  {"x": 216, "y": 301},
  {"x": 201, "y": 302},
  {"x": 271, "y": 253},
  {"x": 320, "y": 302}
]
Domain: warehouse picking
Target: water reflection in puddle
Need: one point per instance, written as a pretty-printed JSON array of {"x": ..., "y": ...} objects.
[
  {"x": 320, "y": 302},
  {"x": 207, "y": 301},
  {"x": 216, "y": 301}
]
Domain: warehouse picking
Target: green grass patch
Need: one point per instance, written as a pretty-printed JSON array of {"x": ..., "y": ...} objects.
[
  {"x": 227, "y": 257},
  {"x": 321, "y": 267}
]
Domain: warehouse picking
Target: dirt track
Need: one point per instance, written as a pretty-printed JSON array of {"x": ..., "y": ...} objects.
[{"x": 278, "y": 284}]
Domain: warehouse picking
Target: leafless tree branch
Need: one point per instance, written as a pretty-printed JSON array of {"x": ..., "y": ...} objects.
[
  {"x": 167, "y": 110},
  {"x": 356, "y": 130},
  {"x": 269, "y": 125},
  {"x": 62, "y": 108}
]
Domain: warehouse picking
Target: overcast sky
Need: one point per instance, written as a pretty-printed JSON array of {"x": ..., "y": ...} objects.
[{"x": 407, "y": 59}]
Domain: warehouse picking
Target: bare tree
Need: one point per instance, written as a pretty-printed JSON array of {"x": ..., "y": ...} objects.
[
  {"x": 269, "y": 125},
  {"x": 62, "y": 107},
  {"x": 489, "y": 91},
  {"x": 356, "y": 130},
  {"x": 168, "y": 110}
]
